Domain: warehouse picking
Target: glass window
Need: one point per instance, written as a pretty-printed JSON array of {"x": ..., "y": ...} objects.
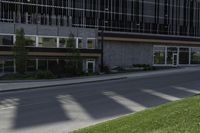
[
  {"x": 42, "y": 64},
  {"x": 184, "y": 56},
  {"x": 170, "y": 54},
  {"x": 80, "y": 43},
  {"x": 53, "y": 65},
  {"x": 31, "y": 40},
  {"x": 1, "y": 66},
  {"x": 71, "y": 43},
  {"x": 195, "y": 56},
  {"x": 31, "y": 65},
  {"x": 47, "y": 42},
  {"x": 91, "y": 43},
  {"x": 9, "y": 66},
  {"x": 159, "y": 55},
  {"x": 6, "y": 40},
  {"x": 63, "y": 42}
]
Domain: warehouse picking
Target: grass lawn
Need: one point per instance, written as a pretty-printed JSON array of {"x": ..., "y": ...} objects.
[{"x": 175, "y": 117}]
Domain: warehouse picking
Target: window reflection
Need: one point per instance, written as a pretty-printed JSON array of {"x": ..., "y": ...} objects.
[
  {"x": 63, "y": 42},
  {"x": 195, "y": 56},
  {"x": 184, "y": 56},
  {"x": 80, "y": 43},
  {"x": 47, "y": 42},
  {"x": 159, "y": 55},
  {"x": 6, "y": 40},
  {"x": 31, "y": 40},
  {"x": 91, "y": 43}
]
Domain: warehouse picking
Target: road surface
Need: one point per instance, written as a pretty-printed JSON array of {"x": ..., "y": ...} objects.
[{"x": 65, "y": 108}]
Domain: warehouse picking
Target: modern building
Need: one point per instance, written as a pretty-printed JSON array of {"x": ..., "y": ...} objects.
[{"x": 112, "y": 32}]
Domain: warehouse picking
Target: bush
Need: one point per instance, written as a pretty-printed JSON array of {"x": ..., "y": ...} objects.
[
  {"x": 106, "y": 69},
  {"x": 44, "y": 75},
  {"x": 149, "y": 68},
  {"x": 145, "y": 67},
  {"x": 141, "y": 65},
  {"x": 18, "y": 76}
]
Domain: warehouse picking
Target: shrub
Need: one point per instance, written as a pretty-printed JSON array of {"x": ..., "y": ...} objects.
[
  {"x": 18, "y": 76},
  {"x": 44, "y": 75},
  {"x": 141, "y": 65},
  {"x": 149, "y": 68},
  {"x": 106, "y": 69}
]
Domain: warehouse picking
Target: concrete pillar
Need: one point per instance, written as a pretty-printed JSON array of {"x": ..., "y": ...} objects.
[
  {"x": 37, "y": 41},
  {"x": 36, "y": 64},
  {"x": 190, "y": 52},
  {"x": 57, "y": 43},
  {"x": 14, "y": 63}
]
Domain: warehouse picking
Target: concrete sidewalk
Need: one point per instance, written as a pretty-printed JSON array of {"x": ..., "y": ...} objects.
[{"x": 6, "y": 86}]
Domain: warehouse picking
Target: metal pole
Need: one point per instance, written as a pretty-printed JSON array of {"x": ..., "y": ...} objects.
[
  {"x": 102, "y": 40},
  {"x": 102, "y": 48}
]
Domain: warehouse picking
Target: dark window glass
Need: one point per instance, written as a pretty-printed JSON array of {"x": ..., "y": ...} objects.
[
  {"x": 1, "y": 66},
  {"x": 31, "y": 65},
  {"x": 42, "y": 64},
  {"x": 184, "y": 56},
  {"x": 195, "y": 56},
  {"x": 6, "y": 40},
  {"x": 9, "y": 66}
]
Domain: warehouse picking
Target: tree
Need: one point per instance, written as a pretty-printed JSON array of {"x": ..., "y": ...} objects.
[
  {"x": 74, "y": 64},
  {"x": 20, "y": 52}
]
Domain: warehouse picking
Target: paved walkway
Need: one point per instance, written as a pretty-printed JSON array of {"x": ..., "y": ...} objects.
[{"x": 18, "y": 85}]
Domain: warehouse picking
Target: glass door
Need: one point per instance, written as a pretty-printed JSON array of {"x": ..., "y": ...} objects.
[
  {"x": 175, "y": 59},
  {"x": 90, "y": 66},
  {"x": 172, "y": 56}
]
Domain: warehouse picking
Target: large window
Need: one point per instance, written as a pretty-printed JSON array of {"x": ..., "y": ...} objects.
[
  {"x": 195, "y": 56},
  {"x": 1, "y": 65},
  {"x": 63, "y": 42},
  {"x": 80, "y": 43},
  {"x": 31, "y": 65},
  {"x": 31, "y": 40},
  {"x": 184, "y": 56},
  {"x": 175, "y": 17},
  {"x": 176, "y": 55},
  {"x": 53, "y": 65},
  {"x": 48, "y": 42},
  {"x": 71, "y": 44},
  {"x": 42, "y": 64},
  {"x": 9, "y": 66},
  {"x": 159, "y": 55},
  {"x": 91, "y": 43},
  {"x": 6, "y": 40}
]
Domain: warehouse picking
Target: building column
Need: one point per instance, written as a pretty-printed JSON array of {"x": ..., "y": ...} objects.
[
  {"x": 37, "y": 41},
  {"x": 3, "y": 66},
  {"x": 57, "y": 42},
  {"x": 190, "y": 52},
  {"x": 14, "y": 38},
  {"x": 14, "y": 63},
  {"x": 178, "y": 52},
  {"x": 165, "y": 55},
  {"x": 36, "y": 64},
  {"x": 77, "y": 42}
]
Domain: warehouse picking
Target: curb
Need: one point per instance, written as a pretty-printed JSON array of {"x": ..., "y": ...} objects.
[{"x": 57, "y": 85}]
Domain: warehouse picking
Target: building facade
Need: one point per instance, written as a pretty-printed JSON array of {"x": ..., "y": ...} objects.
[{"x": 155, "y": 32}]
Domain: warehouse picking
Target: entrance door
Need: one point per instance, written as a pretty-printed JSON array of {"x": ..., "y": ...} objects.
[
  {"x": 90, "y": 66},
  {"x": 175, "y": 59}
]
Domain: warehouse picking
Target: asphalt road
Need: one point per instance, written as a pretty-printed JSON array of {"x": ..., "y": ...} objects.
[{"x": 65, "y": 108}]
